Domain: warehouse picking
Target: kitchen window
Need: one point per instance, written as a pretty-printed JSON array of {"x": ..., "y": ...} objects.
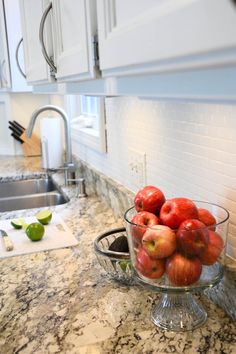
[{"x": 87, "y": 117}]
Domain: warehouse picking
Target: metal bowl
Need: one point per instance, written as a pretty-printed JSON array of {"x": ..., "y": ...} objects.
[{"x": 116, "y": 264}]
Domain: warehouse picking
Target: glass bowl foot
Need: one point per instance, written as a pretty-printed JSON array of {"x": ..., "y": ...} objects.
[{"x": 178, "y": 312}]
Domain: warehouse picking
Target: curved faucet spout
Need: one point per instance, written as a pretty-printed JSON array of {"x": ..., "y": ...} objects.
[{"x": 66, "y": 127}]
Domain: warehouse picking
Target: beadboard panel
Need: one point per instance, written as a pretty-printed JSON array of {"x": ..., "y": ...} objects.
[{"x": 190, "y": 150}]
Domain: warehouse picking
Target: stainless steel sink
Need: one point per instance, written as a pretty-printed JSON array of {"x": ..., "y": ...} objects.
[
  {"x": 26, "y": 186},
  {"x": 31, "y": 193},
  {"x": 32, "y": 201}
]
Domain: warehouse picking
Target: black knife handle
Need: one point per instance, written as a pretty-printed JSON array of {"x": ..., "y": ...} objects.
[
  {"x": 17, "y": 138},
  {"x": 19, "y": 125},
  {"x": 18, "y": 130},
  {"x": 10, "y": 127}
]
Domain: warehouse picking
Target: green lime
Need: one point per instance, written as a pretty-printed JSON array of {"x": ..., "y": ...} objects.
[
  {"x": 124, "y": 264},
  {"x": 44, "y": 216},
  {"x": 17, "y": 223},
  {"x": 35, "y": 231},
  {"x": 25, "y": 226}
]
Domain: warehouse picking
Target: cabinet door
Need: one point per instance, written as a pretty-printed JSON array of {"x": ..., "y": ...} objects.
[
  {"x": 5, "y": 78},
  {"x": 6, "y": 141},
  {"x": 14, "y": 35},
  {"x": 74, "y": 24},
  {"x": 37, "y": 70},
  {"x": 158, "y": 35}
]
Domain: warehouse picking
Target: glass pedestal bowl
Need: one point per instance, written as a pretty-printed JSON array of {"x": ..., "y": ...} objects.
[
  {"x": 116, "y": 264},
  {"x": 180, "y": 275}
]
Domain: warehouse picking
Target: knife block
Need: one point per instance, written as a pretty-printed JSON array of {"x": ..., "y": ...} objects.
[{"x": 31, "y": 146}]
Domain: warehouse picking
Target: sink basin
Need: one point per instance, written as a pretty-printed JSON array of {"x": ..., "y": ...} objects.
[
  {"x": 29, "y": 194},
  {"x": 32, "y": 201},
  {"x": 26, "y": 186}
]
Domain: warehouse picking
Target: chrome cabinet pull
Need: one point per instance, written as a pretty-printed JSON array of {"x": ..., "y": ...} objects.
[
  {"x": 41, "y": 39},
  {"x": 3, "y": 78},
  {"x": 17, "y": 58}
]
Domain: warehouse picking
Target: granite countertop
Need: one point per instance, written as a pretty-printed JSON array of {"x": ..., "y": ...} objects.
[{"x": 62, "y": 301}]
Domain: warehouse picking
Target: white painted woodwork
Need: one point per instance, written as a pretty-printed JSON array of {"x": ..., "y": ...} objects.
[
  {"x": 74, "y": 24},
  {"x": 37, "y": 70},
  {"x": 5, "y": 78},
  {"x": 6, "y": 141},
  {"x": 151, "y": 36},
  {"x": 14, "y": 35}
]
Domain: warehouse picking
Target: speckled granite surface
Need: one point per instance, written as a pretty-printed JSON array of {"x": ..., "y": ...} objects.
[{"x": 61, "y": 301}]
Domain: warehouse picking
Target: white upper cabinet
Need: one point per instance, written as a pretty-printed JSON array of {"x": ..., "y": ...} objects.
[
  {"x": 148, "y": 48},
  {"x": 59, "y": 40},
  {"x": 75, "y": 27},
  {"x": 5, "y": 77},
  {"x": 36, "y": 68},
  {"x": 15, "y": 48},
  {"x": 154, "y": 36}
]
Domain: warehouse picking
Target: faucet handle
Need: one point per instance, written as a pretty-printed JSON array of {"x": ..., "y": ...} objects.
[
  {"x": 81, "y": 188},
  {"x": 81, "y": 192},
  {"x": 70, "y": 166}
]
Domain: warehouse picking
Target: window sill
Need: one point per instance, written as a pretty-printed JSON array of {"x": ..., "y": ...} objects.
[{"x": 89, "y": 137}]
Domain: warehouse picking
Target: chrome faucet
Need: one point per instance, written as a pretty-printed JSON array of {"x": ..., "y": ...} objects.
[
  {"x": 69, "y": 166},
  {"x": 66, "y": 125}
]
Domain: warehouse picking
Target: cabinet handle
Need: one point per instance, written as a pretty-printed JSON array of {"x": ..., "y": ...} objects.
[
  {"x": 17, "y": 58},
  {"x": 41, "y": 39},
  {"x": 3, "y": 79}
]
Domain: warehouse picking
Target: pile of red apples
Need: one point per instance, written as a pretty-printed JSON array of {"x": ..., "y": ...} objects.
[{"x": 173, "y": 237}]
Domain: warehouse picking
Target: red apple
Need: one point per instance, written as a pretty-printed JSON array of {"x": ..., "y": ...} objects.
[
  {"x": 207, "y": 218},
  {"x": 176, "y": 210},
  {"x": 159, "y": 241},
  {"x": 183, "y": 271},
  {"x": 142, "y": 220},
  {"x": 214, "y": 249},
  {"x": 192, "y": 237},
  {"x": 150, "y": 268},
  {"x": 149, "y": 198}
]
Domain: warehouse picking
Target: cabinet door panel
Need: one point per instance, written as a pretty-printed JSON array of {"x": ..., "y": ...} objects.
[
  {"x": 5, "y": 77},
  {"x": 74, "y": 26},
  {"x": 163, "y": 34},
  {"x": 14, "y": 35},
  {"x": 6, "y": 141},
  {"x": 35, "y": 64}
]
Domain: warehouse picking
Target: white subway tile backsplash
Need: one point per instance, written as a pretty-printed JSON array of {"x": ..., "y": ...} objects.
[{"x": 190, "y": 149}]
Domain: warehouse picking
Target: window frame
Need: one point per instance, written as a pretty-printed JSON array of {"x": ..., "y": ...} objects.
[{"x": 92, "y": 138}]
